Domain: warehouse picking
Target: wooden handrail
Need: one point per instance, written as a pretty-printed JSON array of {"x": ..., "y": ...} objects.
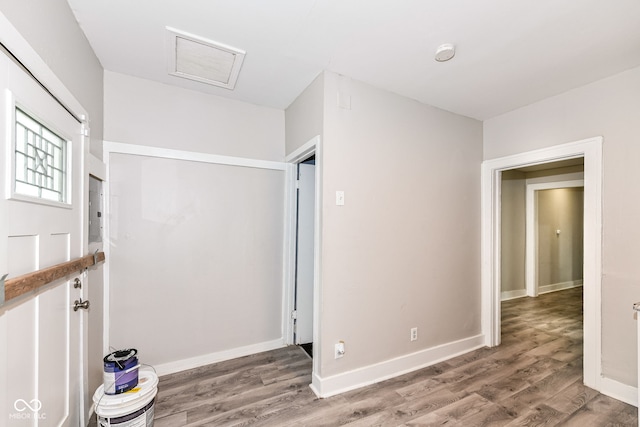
[{"x": 21, "y": 285}]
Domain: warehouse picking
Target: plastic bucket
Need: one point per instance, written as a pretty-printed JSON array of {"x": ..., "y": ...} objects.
[
  {"x": 133, "y": 408},
  {"x": 120, "y": 371}
]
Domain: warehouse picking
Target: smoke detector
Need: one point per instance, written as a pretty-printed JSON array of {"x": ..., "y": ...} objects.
[
  {"x": 445, "y": 52},
  {"x": 206, "y": 61}
]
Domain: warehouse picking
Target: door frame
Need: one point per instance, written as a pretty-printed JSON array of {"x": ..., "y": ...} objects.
[
  {"x": 98, "y": 169},
  {"x": 311, "y": 147},
  {"x": 531, "y": 227},
  {"x": 591, "y": 150}
]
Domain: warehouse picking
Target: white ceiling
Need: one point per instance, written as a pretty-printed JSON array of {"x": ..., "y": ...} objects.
[{"x": 510, "y": 53}]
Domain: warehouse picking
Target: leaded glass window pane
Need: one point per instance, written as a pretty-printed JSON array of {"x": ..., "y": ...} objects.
[{"x": 41, "y": 160}]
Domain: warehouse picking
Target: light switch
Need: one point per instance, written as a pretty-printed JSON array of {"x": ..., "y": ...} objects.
[{"x": 339, "y": 198}]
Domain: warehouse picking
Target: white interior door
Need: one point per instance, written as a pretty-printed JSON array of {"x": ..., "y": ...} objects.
[
  {"x": 40, "y": 335},
  {"x": 304, "y": 253}
]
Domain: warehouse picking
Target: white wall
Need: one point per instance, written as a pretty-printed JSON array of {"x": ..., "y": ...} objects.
[
  {"x": 404, "y": 250},
  {"x": 51, "y": 29},
  {"x": 512, "y": 244},
  {"x": 143, "y": 112},
  {"x": 195, "y": 248},
  {"x": 195, "y": 258},
  {"x": 304, "y": 118},
  {"x": 611, "y": 108},
  {"x": 560, "y": 255}
]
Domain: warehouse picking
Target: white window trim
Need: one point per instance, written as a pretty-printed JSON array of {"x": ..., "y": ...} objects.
[{"x": 10, "y": 193}]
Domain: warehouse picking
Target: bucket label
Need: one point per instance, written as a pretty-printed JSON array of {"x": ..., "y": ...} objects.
[{"x": 141, "y": 418}]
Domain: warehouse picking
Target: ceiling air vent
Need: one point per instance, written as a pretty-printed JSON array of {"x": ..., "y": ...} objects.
[{"x": 202, "y": 60}]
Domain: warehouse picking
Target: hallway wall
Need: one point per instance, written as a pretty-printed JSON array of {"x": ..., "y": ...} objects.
[{"x": 392, "y": 255}]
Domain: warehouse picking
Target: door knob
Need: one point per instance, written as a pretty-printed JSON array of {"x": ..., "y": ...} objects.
[
  {"x": 77, "y": 283},
  {"x": 80, "y": 304}
]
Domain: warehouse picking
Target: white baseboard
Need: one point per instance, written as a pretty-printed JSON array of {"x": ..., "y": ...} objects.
[
  {"x": 206, "y": 359},
  {"x": 340, "y": 383},
  {"x": 316, "y": 384},
  {"x": 617, "y": 390},
  {"x": 559, "y": 286},
  {"x": 518, "y": 293}
]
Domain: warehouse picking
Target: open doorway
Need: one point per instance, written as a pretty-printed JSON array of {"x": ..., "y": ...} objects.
[
  {"x": 302, "y": 249},
  {"x": 542, "y": 217},
  {"x": 541, "y": 228},
  {"x": 304, "y": 255},
  {"x": 591, "y": 151},
  {"x": 555, "y": 236}
]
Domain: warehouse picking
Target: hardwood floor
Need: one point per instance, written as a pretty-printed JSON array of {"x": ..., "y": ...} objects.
[{"x": 533, "y": 379}]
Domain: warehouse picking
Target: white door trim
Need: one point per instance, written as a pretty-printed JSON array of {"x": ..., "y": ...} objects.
[
  {"x": 531, "y": 277},
  {"x": 93, "y": 166},
  {"x": 310, "y": 147},
  {"x": 591, "y": 150}
]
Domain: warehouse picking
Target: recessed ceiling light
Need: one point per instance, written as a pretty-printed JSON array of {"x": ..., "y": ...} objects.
[
  {"x": 203, "y": 60},
  {"x": 445, "y": 52}
]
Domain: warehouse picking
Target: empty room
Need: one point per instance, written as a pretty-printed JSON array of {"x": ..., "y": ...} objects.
[{"x": 317, "y": 212}]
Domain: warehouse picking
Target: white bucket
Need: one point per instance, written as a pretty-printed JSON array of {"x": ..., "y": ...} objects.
[{"x": 133, "y": 408}]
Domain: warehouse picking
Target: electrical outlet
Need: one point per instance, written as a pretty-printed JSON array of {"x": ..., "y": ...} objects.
[
  {"x": 414, "y": 334},
  {"x": 339, "y": 349}
]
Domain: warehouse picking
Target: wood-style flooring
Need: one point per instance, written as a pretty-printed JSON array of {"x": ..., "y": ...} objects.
[{"x": 534, "y": 378}]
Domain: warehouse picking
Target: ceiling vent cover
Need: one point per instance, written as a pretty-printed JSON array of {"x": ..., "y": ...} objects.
[{"x": 202, "y": 60}]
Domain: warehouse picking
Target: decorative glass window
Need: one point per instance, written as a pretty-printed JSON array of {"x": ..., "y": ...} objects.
[{"x": 41, "y": 160}]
